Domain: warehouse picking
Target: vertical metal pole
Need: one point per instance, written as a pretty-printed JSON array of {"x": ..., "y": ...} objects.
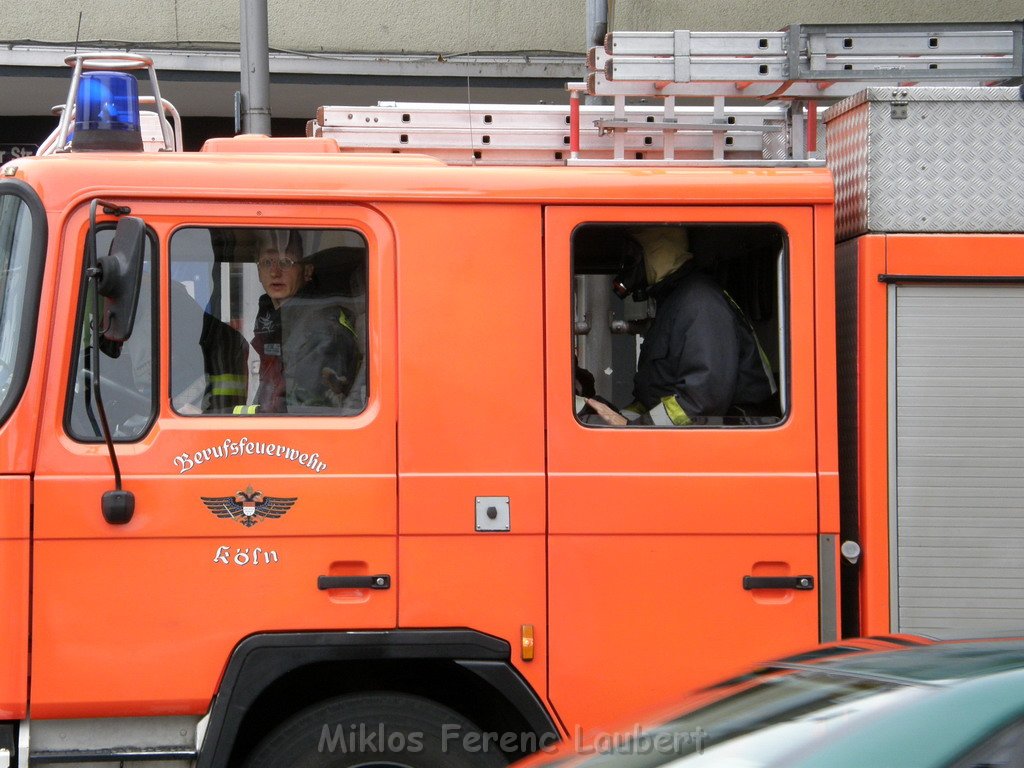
[
  {"x": 255, "y": 54},
  {"x": 668, "y": 138},
  {"x": 574, "y": 124},
  {"x": 597, "y": 22},
  {"x": 798, "y": 130},
  {"x": 597, "y": 28},
  {"x": 596, "y": 347},
  {"x": 619, "y": 136},
  {"x": 718, "y": 137},
  {"x": 812, "y": 127}
]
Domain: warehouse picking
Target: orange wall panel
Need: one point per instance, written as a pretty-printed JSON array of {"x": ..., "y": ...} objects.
[
  {"x": 652, "y": 531},
  {"x": 141, "y": 619},
  {"x": 967, "y": 254},
  {"x": 471, "y": 419},
  {"x": 873, "y": 429},
  {"x": 15, "y": 506},
  {"x": 14, "y": 586},
  {"x": 470, "y": 330},
  {"x": 446, "y": 503},
  {"x": 146, "y": 627},
  {"x": 684, "y": 503},
  {"x": 825, "y": 369},
  {"x": 943, "y": 255},
  {"x": 493, "y": 583},
  {"x": 172, "y": 506},
  {"x": 603, "y": 599}
]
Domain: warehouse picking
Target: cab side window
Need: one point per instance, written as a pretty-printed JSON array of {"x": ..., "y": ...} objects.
[
  {"x": 268, "y": 322},
  {"x": 21, "y": 257},
  {"x": 126, "y": 371},
  {"x": 680, "y": 325}
]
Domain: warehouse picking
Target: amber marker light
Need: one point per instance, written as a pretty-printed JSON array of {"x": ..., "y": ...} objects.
[{"x": 526, "y": 641}]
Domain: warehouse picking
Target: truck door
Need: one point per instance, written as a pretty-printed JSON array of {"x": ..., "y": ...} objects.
[
  {"x": 661, "y": 537},
  {"x": 256, "y": 435}
]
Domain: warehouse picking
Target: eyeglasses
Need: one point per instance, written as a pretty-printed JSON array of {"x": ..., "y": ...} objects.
[{"x": 281, "y": 262}]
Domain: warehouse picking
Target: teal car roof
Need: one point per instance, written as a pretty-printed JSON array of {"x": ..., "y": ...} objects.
[
  {"x": 936, "y": 663},
  {"x": 943, "y": 721}
]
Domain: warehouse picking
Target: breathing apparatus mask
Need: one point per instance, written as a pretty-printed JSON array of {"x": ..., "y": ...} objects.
[
  {"x": 651, "y": 254},
  {"x": 631, "y": 279}
]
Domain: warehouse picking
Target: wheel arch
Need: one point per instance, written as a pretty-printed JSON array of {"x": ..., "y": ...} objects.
[{"x": 271, "y": 677}]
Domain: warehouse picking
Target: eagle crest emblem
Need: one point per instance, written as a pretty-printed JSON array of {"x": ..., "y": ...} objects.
[
  {"x": 248, "y": 507},
  {"x": 265, "y": 323}
]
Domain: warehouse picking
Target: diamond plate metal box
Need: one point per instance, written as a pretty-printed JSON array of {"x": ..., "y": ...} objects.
[{"x": 928, "y": 160}]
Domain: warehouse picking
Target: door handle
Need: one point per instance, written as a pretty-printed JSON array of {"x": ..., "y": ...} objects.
[
  {"x": 380, "y": 581},
  {"x": 778, "y": 582}
]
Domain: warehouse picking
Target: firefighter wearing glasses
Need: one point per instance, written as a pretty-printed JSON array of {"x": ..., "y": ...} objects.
[{"x": 306, "y": 342}]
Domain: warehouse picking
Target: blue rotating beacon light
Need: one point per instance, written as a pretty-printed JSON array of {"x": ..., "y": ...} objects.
[{"x": 107, "y": 113}]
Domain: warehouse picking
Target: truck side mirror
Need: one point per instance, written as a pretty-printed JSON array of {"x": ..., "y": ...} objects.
[{"x": 120, "y": 277}]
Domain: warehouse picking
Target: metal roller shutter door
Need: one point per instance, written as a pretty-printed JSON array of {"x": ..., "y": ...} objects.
[{"x": 958, "y": 482}]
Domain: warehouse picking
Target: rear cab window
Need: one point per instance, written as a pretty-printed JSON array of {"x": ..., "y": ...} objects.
[{"x": 680, "y": 324}]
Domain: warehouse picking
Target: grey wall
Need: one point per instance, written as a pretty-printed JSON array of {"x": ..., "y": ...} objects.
[
  {"x": 195, "y": 43},
  {"x": 448, "y": 26}
]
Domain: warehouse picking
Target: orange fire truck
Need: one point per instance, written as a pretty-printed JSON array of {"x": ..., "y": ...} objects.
[{"x": 438, "y": 562}]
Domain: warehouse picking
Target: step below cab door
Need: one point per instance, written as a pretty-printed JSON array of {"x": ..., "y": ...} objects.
[
  {"x": 252, "y": 412},
  {"x": 677, "y": 553}
]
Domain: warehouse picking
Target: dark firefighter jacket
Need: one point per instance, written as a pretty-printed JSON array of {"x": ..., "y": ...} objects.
[
  {"x": 699, "y": 360},
  {"x": 303, "y": 345},
  {"x": 210, "y": 359}
]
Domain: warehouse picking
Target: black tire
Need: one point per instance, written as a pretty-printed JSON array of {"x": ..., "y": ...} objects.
[{"x": 380, "y": 730}]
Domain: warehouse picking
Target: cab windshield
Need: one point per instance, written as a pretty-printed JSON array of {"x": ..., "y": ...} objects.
[{"x": 17, "y": 297}]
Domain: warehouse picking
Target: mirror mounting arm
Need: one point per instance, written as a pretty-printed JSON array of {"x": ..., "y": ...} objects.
[{"x": 118, "y": 506}]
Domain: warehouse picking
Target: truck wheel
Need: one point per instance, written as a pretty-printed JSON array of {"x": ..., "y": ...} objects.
[{"x": 380, "y": 730}]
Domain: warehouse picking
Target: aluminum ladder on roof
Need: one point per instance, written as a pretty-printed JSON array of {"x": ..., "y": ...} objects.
[
  {"x": 801, "y": 65},
  {"x": 779, "y": 77},
  {"x": 804, "y": 60},
  {"x": 535, "y": 134}
]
